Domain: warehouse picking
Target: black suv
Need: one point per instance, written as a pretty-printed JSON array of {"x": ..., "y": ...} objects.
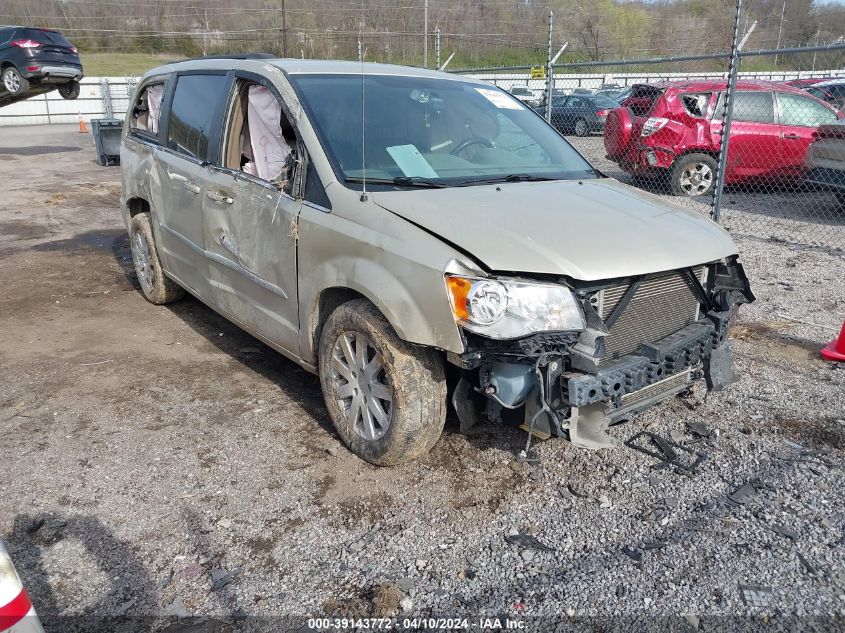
[{"x": 34, "y": 61}]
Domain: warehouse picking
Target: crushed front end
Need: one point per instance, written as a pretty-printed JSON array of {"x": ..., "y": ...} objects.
[{"x": 640, "y": 340}]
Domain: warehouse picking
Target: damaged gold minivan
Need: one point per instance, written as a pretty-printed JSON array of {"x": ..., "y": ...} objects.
[{"x": 408, "y": 234}]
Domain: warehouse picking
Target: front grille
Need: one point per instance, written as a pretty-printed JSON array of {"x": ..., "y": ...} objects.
[{"x": 663, "y": 304}]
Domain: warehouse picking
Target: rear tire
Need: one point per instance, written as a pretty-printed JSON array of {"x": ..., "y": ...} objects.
[
  {"x": 581, "y": 128},
  {"x": 693, "y": 175},
  {"x": 156, "y": 286},
  {"x": 386, "y": 397},
  {"x": 70, "y": 90},
  {"x": 13, "y": 82}
]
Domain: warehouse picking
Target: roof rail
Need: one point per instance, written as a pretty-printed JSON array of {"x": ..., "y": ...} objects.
[{"x": 232, "y": 56}]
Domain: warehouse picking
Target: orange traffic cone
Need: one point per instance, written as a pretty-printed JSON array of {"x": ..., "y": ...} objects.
[
  {"x": 16, "y": 611},
  {"x": 82, "y": 127},
  {"x": 836, "y": 349}
]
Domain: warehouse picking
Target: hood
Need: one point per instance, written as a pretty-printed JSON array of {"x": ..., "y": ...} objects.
[{"x": 587, "y": 230}]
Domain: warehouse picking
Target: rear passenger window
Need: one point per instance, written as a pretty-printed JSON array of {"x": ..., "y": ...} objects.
[
  {"x": 192, "y": 116},
  {"x": 146, "y": 111},
  {"x": 801, "y": 111},
  {"x": 753, "y": 107}
]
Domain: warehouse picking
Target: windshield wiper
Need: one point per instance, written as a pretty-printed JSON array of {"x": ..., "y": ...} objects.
[
  {"x": 401, "y": 181},
  {"x": 508, "y": 178}
]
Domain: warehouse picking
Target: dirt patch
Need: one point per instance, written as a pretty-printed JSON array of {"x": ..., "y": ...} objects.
[
  {"x": 367, "y": 509},
  {"x": 86, "y": 193},
  {"x": 23, "y": 230},
  {"x": 813, "y": 432},
  {"x": 773, "y": 335},
  {"x": 378, "y": 602},
  {"x": 38, "y": 150}
]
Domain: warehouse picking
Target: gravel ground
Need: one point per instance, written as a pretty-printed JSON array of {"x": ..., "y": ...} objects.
[{"x": 160, "y": 462}]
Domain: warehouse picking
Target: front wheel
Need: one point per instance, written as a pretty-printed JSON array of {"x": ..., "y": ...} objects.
[
  {"x": 70, "y": 90},
  {"x": 13, "y": 82},
  {"x": 386, "y": 397},
  {"x": 693, "y": 175}
]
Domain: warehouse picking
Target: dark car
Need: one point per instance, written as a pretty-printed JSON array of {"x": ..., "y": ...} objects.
[
  {"x": 581, "y": 114},
  {"x": 34, "y": 61}
]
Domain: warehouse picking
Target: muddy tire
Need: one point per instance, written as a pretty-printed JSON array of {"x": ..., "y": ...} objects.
[
  {"x": 386, "y": 397},
  {"x": 693, "y": 175},
  {"x": 156, "y": 286},
  {"x": 13, "y": 82}
]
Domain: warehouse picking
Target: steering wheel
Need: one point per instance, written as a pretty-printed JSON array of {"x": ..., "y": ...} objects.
[{"x": 475, "y": 140}]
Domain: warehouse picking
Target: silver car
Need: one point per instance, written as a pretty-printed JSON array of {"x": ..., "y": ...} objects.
[{"x": 410, "y": 235}]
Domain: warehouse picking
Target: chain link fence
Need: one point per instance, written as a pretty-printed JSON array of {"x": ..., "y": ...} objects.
[{"x": 661, "y": 124}]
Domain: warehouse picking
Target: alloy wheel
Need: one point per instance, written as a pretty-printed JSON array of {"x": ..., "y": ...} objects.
[
  {"x": 696, "y": 179},
  {"x": 11, "y": 80},
  {"x": 361, "y": 385},
  {"x": 144, "y": 268}
]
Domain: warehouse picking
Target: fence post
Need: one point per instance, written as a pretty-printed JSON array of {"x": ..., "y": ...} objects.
[
  {"x": 733, "y": 70},
  {"x": 437, "y": 48},
  {"x": 549, "y": 70},
  {"x": 105, "y": 96}
]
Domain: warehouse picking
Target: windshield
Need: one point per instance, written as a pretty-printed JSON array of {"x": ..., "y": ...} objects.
[
  {"x": 605, "y": 102},
  {"x": 443, "y": 131}
]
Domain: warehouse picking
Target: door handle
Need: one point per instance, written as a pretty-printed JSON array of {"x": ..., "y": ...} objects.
[
  {"x": 791, "y": 137},
  {"x": 219, "y": 197},
  {"x": 192, "y": 187}
]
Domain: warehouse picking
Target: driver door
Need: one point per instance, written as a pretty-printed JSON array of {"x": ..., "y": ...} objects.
[{"x": 249, "y": 220}]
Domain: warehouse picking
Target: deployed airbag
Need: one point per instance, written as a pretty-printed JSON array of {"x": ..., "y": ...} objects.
[
  {"x": 154, "y": 96},
  {"x": 270, "y": 151}
]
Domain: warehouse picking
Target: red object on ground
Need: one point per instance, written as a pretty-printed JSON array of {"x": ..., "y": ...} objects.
[{"x": 836, "y": 348}]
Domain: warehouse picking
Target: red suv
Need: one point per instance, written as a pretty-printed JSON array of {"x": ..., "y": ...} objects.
[{"x": 673, "y": 130}]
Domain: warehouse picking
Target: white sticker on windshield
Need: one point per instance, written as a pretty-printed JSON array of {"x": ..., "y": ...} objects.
[
  {"x": 411, "y": 162},
  {"x": 500, "y": 99}
]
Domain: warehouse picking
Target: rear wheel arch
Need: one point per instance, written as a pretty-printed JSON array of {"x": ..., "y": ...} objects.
[{"x": 137, "y": 205}]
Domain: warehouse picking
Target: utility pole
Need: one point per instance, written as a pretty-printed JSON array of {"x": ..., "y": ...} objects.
[
  {"x": 818, "y": 32},
  {"x": 425, "y": 35},
  {"x": 549, "y": 70},
  {"x": 437, "y": 47},
  {"x": 284, "y": 30},
  {"x": 748, "y": 33},
  {"x": 780, "y": 29}
]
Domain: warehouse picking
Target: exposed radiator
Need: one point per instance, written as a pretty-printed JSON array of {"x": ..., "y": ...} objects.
[{"x": 663, "y": 304}]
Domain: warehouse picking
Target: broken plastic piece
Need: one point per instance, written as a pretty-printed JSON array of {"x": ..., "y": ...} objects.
[
  {"x": 719, "y": 368},
  {"x": 785, "y": 531},
  {"x": 634, "y": 554},
  {"x": 588, "y": 428},
  {"x": 699, "y": 429},
  {"x": 526, "y": 541},
  {"x": 670, "y": 453},
  {"x": 756, "y": 596},
  {"x": 743, "y": 494}
]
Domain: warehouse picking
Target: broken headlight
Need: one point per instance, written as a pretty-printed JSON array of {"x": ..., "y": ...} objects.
[{"x": 504, "y": 309}]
